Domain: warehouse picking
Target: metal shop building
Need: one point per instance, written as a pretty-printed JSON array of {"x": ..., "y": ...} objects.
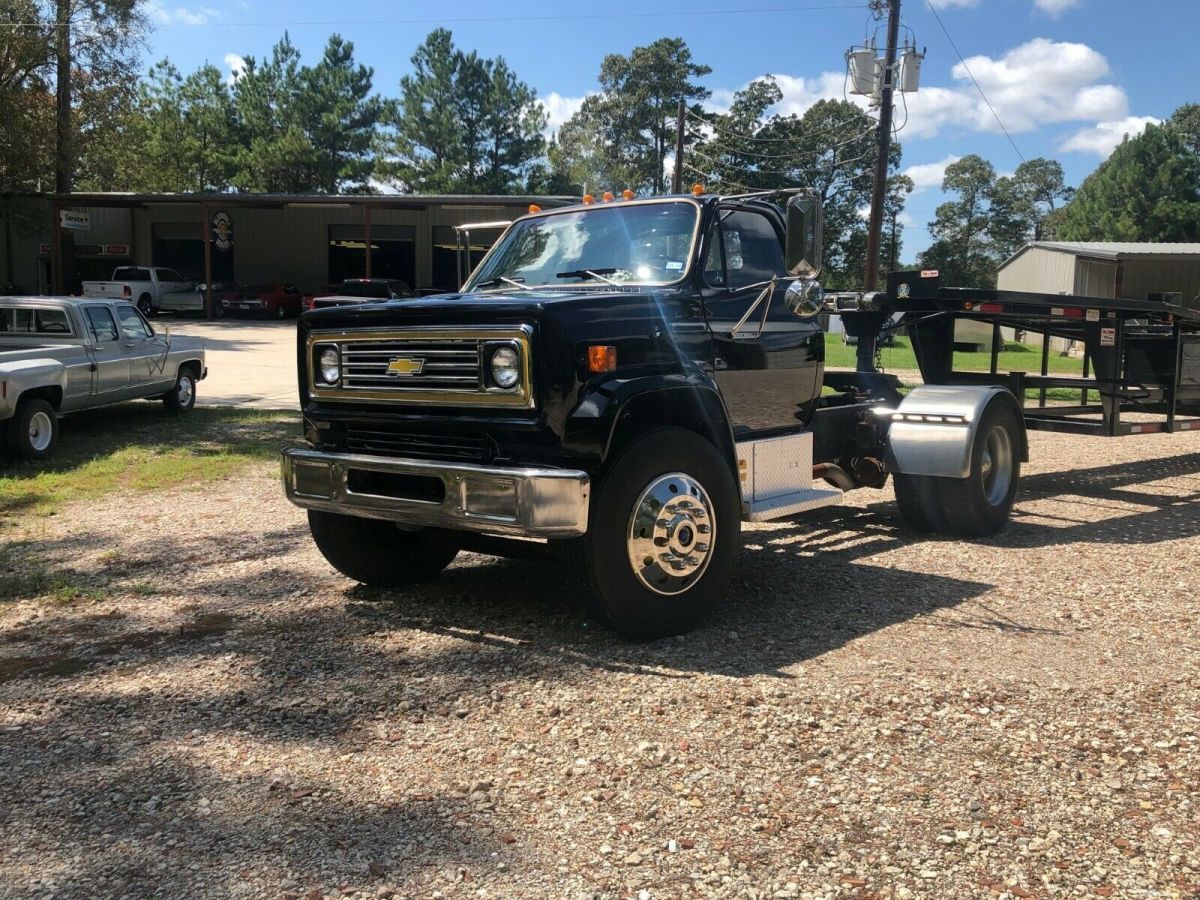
[
  {"x": 307, "y": 240},
  {"x": 1133, "y": 271}
]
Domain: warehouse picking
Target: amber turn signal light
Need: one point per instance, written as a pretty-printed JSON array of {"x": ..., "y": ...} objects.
[{"x": 602, "y": 358}]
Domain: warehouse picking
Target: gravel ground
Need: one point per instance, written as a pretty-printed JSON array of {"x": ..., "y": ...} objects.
[{"x": 872, "y": 715}]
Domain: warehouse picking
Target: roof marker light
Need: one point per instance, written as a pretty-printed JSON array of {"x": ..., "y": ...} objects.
[
  {"x": 588, "y": 199},
  {"x": 607, "y": 196},
  {"x": 534, "y": 208},
  {"x": 697, "y": 189},
  {"x": 628, "y": 194}
]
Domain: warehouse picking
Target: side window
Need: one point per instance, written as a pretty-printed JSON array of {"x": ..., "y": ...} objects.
[
  {"x": 753, "y": 251},
  {"x": 132, "y": 325},
  {"x": 169, "y": 275},
  {"x": 51, "y": 321},
  {"x": 102, "y": 324},
  {"x": 714, "y": 266}
]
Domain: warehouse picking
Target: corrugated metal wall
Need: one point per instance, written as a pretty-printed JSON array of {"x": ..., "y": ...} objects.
[
  {"x": 1094, "y": 277},
  {"x": 292, "y": 243},
  {"x": 1140, "y": 277},
  {"x": 1038, "y": 269}
]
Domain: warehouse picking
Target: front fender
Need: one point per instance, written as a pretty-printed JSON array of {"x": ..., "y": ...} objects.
[{"x": 688, "y": 400}]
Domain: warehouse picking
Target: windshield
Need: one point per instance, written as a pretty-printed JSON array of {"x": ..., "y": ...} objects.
[{"x": 635, "y": 243}]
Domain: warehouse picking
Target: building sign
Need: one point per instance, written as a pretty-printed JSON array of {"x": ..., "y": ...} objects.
[
  {"x": 222, "y": 230},
  {"x": 116, "y": 249},
  {"x": 74, "y": 221}
]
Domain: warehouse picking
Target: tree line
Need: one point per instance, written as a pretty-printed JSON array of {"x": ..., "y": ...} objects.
[
  {"x": 462, "y": 123},
  {"x": 1147, "y": 190}
]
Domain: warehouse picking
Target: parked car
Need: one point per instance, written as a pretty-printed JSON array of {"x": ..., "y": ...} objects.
[
  {"x": 277, "y": 301},
  {"x": 192, "y": 302},
  {"x": 144, "y": 285},
  {"x": 62, "y": 354},
  {"x": 363, "y": 290}
]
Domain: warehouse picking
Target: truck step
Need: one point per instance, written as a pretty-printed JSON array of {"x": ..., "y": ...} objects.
[
  {"x": 776, "y": 476},
  {"x": 790, "y": 504}
]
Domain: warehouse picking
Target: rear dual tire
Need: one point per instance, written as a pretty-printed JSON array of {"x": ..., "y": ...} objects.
[
  {"x": 979, "y": 505},
  {"x": 32, "y": 434}
]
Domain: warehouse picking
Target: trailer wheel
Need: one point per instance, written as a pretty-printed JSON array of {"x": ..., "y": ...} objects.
[
  {"x": 920, "y": 500},
  {"x": 33, "y": 432},
  {"x": 381, "y": 554},
  {"x": 664, "y": 535},
  {"x": 980, "y": 504}
]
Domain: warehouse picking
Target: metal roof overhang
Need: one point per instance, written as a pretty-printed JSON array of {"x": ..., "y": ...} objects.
[{"x": 279, "y": 201}]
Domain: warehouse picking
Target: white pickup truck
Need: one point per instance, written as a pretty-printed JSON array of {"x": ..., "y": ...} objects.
[
  {"x": 147, "y": 286},
  {"x": 63, "y": 354}
]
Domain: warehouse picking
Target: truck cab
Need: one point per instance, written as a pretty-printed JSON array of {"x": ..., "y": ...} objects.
[{"x": 619, "y": 384}]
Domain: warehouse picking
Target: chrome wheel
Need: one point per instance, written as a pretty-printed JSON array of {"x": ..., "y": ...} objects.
[
  {"x": 185, "y": 391},
  {"x": 671, "y": 533},
  {"x": 41, "y": 432},
  {"x": 996, "y": 465}
]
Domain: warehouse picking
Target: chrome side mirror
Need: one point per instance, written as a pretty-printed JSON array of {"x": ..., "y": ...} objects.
[
  {"x": 804, "y": 298},
  {"x": 803, "y": 251}
]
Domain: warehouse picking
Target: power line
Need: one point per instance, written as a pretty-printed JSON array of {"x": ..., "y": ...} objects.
[
  {"x": 818, "y": 151},
  {"x": 750, "y": 137},
  {"x": 466, "y": 20},
  {"x": 967, "y": 69}
]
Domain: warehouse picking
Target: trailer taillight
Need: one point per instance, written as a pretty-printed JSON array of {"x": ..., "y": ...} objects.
[{"x": 991, "y": 307}]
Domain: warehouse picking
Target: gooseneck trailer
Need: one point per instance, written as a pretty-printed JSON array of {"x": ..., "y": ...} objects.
[{"x": 623, "y": 384}]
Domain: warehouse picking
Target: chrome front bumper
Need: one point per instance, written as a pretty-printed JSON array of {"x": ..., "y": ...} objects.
[{"x": 520, "y": 501}]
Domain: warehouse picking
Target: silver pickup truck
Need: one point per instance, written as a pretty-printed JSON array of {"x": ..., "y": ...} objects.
[{"x": 63, "y": 354}]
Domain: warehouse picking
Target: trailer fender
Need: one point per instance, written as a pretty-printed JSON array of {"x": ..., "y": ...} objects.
[{"x": 933, "y": 430}]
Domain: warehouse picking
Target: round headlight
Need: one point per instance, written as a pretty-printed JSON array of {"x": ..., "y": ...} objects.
[
  {"x": 505, "y": 367},
  {"x": 329, "y": 365}
]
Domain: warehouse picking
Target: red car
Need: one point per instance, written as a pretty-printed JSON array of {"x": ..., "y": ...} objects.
[{"x": 278, "y": 301}]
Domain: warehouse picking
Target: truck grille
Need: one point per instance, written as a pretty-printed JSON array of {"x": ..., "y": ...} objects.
[
  {"x": 398, "y": 440},
  {"x": 433, "y": 366},
  {"x": 445, "y": 365}
]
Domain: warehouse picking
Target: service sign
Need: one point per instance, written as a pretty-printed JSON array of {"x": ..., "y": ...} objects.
[
  {"x": 222, "y": 230},
  {"x": 74, "y": 221}
]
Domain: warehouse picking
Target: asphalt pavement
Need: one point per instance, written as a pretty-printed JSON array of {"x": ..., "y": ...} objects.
[{"x": 251, "y": 362}]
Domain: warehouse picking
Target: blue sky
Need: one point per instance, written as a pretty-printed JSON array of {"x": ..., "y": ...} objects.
[{"x": 1067, "y": 77}]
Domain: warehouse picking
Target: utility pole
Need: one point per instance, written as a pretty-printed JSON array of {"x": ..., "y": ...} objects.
[
  {"x": 63, "y": 153},
  {"x": 866, "y": 348},
  {"x": 680, "y": 124},
  {"x": 879, "y": 185}
]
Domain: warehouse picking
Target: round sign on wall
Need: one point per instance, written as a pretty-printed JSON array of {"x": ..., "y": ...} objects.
[{"x": 222, "y": 229}]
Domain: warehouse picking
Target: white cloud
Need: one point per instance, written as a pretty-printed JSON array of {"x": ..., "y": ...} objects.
[
  {"x": 1103, "y": 137},
  {"x": 559, "y": 109},
  {"x": 1055, "y": 8},
  {"x": 180, "y": 15},
  {"x": 929, "y": 175},
  {"x": 236, "y": 65},
  {"x": 799, "y": 93}
]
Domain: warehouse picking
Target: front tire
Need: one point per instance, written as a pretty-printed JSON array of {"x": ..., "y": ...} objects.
[
  {"x": 32, "y": 433},
  {"x": 379, "y": 554},
  {"x": 182, "y": 397},
  {"x": 664, "y": 535},
  {"x": 146, "y": 305}
]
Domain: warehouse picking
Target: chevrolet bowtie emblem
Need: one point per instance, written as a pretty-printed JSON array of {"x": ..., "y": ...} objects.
[{"x": 405, "y": 365}]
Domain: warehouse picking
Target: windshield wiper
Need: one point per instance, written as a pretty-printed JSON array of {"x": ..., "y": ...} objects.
[
  {"x": 502, "y": 279},
  {"x": 598, "y": 274}
]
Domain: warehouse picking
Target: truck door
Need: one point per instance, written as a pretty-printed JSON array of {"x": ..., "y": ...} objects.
[
  {"x": 112, "y": 366},
  {"x": 768, "y": 363},
  {"x": 146, "y": 353}
]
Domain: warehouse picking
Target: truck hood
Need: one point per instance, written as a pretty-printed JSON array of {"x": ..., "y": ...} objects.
[{"x": 497, "y": 307}]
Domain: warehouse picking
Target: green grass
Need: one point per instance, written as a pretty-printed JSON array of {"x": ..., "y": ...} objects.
[
  {"x": 136, "y": 446},
  {"x": 1015, "y": 358}
]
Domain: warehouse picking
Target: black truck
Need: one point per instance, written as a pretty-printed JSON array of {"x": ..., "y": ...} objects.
[{"x": 622, "y": 384}]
